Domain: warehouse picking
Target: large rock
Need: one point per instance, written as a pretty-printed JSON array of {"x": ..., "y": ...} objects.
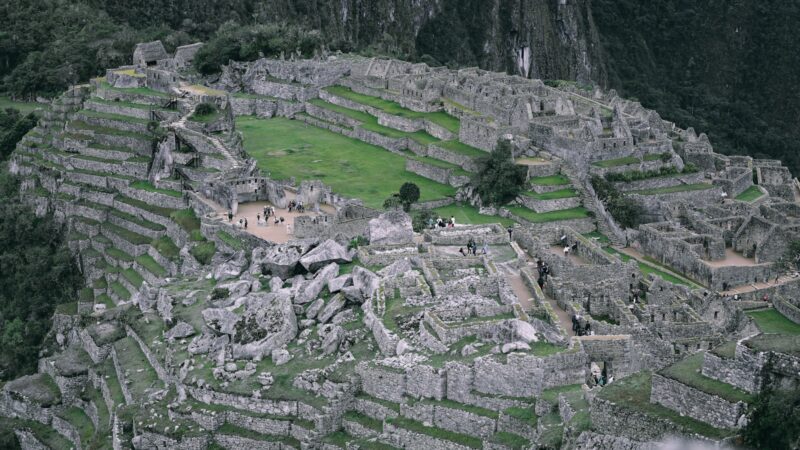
[
  {"x": 524, "y": 331},
  {"x": 365, "y": 281},
  {"x": 332, "y": 336},
  {"x": 220, "y": 320},
  {"x": 396, "y": 268},
  {"x": 310, "y": 290},
  {"x": 268, "y": 323},
  {"x": 231, "y": 268},
  {"x": 324, "y": 254},
  {"x": 334, "y": 305},
  {"x": 392, "y": 227},
  {"x": 282, "y": 260},
  {"x": 180, "y": 331},
  {"x": 340, "y": 282}
]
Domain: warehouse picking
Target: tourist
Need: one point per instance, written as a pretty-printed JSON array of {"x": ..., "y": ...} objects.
[
  {"x": 266, "y": 211},
  {"x": 245, "y": 223},
  {"x": 566, "y": 250},
  {"x": 461, "y": 250},
  {"x": 540, "y": 282},
  {"x": 277, "y": 221},
  {"x": 452, "y": 221},
  {"x": 509, "y": 229},
  {"x": 230, "y": 215},
  {"x": 258, "y": 219},
  {"x": 485, "y": 247},
  {"x": 241, "y": 223}
]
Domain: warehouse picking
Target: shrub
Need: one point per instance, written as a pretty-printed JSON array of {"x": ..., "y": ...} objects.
[
  {"x": 205, "y": 109},
  {"x": 409, "y": 194},
  {"x": 419, "y": 220},
  {"x": 624, "y": 210},
  {"x": 775, "y": 420},
  {"x": 499, "y": 180},
  {"x": 219, "y": 293},
  {"x": 204, "y": 252}
]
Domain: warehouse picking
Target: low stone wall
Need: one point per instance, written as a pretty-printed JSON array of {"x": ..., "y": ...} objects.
[
  {"x": 262, "y": 406},
  {"x": 374, "y": 410},
  {"x": 233, "y": 442},
  {"x": 463, "y": 161},
  {"x": 162, "y": 374},
  {"x": 617, "y": 420},
  {"x": 694, "y": 403},
  {"x": 426, "y": 382},
  {"x": 123, "y": 382},
  {"x": 790, "y": 311},
  {"x": 542, "y": 206},
  {"x": 402, "y": 438},
  {"x": 67, "y": 430},
  {"x": 659, "y": 182},
  {"x": 382, "y": 382},
  {"x": 27, "y": 441}
]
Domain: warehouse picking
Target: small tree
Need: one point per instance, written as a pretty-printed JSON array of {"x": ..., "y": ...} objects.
[
  {"x": 421, "y": 218},
  {"x": 625, "y": 210},
  {"x": 205, "y": 109},
  {"x": 393, "y": 202},
  {"x": 499, "y": 180},
  {"x": 409, "y": 194}
]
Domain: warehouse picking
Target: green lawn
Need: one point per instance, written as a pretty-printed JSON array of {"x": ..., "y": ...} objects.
[
  {"x": 23, "y": 107},
  {"x": 771, "y": 321},
  {"x": 672, "y": 189},
  {"x": 459, "y": 147},
  {"x": 552, "y": 180},
  {"x": 147, "y": 186},
  {"x": 780, "y": 343},
  {"x": 440, "y": 118},
  {"x": 616, "y": 162},
  {"x": 687, "y": 371},
  {"x": 565, "y": 214},
  {"x": 554, "y": 195},
  {"x": 752, "y": 193},
  {"x": 634, "y": 392},
  {"x": 466, "y": 214},
  {"x": 287, "y": 148}
]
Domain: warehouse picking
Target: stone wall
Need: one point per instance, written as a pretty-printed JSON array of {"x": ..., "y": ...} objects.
[
  {"x": 688, "y": 401},
  {"x": 744, "y": 373},
  {"x": 790, "y": 311},
  {"x": 659, "y": 182},
  {"x": 542, "y": 206}
]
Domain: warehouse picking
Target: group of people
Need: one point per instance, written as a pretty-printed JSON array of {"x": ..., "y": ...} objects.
[
  {"x": 472, "y": 248},
  {"x": 441, "y": 223},
  {"x": 599, "y": 379},
  {"x": 296, "y": 206},
  {"x": 269, "y": 211},
  {"x": 580, "y": 326},
  {"x": 568, "y": 248}
]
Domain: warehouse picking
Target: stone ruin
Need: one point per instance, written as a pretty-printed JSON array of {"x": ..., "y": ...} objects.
[{"x": 360, "y": 333}]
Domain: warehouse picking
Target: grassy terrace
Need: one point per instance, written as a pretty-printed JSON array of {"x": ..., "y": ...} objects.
[
  {"x": 440, "y": 118},
  {"x": 438, "y": 433},
  {"x": 81, "y": 125},
  {"x": 673, "y": 189},
  {"x": 650, "y": 268},
  {"x": 147, "y": 186},
  {"x": 152, "y": 266},
  {"x": 780, "y": 343},
  {"x": 466, "y": 214},
  {"x": 120, "y": 291},
  {"x": 771, "y": 321},
  {"x": 132, "y": 277},
  {"x": 552, "y": 180},
  {"x": 554, "y": 195},
  {"x": 633, "y": 392},
  {"x": 158, "y": 210},
  {"x": 370, "y": 123},
  {"x": 80, "y": 421},
  {"x": 565, "y": 214},
  {"x": 128, "y": 104},
  {"x": 457, "y": 170},
  {"x": 111, "y": 116},
  {"x": 459, "y": 147},
  {"x": 137, "y": 220},
  {"x": 138, "y": 91},
  {"x": 750, "y": 194},
  {"x": 287, "y": 148},
  {"x": 141, "y": 375},
  {"x": 687, "y": 371}
]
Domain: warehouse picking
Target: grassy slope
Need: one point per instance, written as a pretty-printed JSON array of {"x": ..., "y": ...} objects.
[
  {"x": 287, "y": 148},
  {"x": 771, "y": 321}
]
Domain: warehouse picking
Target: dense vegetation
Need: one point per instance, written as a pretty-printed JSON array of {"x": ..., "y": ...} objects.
[
  {"x": 775, "y": 420},
  {"x": 622, "y": 208},
  {"x": 724, "y": 68},
  {"x": 36, "y": 274},
  {"x": 729, "y": 69},
  {"x": 13, "y": 125}
]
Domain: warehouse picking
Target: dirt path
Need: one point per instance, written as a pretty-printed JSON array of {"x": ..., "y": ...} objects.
[{"x": 563, "y": 317}]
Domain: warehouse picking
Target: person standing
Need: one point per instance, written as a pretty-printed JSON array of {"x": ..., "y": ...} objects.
[{"x": 230, "y": 215}]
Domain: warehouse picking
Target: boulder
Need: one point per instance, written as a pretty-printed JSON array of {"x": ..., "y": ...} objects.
[
  {"x": 324, "y": 254},
  {"x": 396, "y": 268},
  {"x": 390, "y": 228},
  {"x": 283, "y": 260},
  {"x": 281, "y": 356},
  {"x": 220, "y": 320},
  {"x": 524, "y": 331},
  {"x": 336, "y": 284},
  {"x": 164, "y": 305},
  {"x": 315, "y": 308},
  {"x": 231, "y": 268},
  {"x": 333, "y": 306},
  {"x": 180, "y": 331},
  {"x": 365, "y": 281},
  {"x": 515, "y": 346},
  {"x": 332, "y": 336},
  {"x": 268, "y": 323},
  {"x": 309, "y": 291}
]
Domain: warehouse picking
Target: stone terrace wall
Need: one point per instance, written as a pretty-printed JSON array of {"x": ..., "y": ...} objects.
[
  {"x": 743, "y": 373},
  {"x": 694, "y": 403}
]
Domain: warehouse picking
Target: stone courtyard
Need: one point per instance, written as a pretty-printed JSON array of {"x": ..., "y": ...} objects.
[{"x": 342, "y": 327}]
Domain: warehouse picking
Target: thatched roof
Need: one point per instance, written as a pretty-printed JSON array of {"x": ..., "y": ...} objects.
[{"x": 149, "y": 52}]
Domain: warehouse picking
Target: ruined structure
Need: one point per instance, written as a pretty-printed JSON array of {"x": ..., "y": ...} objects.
[{"x": 193, "y": 333}]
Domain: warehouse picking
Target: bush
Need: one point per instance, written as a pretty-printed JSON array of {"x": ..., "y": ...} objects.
[
  {"x": 204, "y": 252},
  {"x": 219, "y": 293},
  {"x": 775, "y": 420},
  {"x": 499, "y": 180},
  {"x": 357, "y": 242},
  {"x": 624, "y": 210},
  {"x": 393, "y": 202},
  {"x": 419, "y": 220},
  {"x": 205, "y": 109}
]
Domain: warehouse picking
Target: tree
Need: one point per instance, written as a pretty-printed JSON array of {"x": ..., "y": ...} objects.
[
  {"x": 623, "y": 209},
  {"x": 393, "y": 202},
  {"x": 499, "y": 180},
  {"x": 409, "y": 194},
  {"x": 775, "y": 420},
  {"x": 420, "y": 219}
]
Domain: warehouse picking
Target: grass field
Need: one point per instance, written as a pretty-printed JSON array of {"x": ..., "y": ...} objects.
[
  {"x": 752, "y": 193},
  {"x": 648, "y": 269},
  {"x": 440, "y": 118},
  {"x": 616, "y": 162},
  {"x": 287, "y": 148},
  {"x": 771, "y": 321},
  {"x": 554, "y": 195},
  {"x": 462, "y": 148},
  {"x": 23, "y": 107},
  {"x": 687, "y": 371}
]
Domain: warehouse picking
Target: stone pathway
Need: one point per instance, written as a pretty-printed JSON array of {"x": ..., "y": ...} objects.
[
  {"x": 563, "y": 316},
  {"x": 752, "y": 287}
]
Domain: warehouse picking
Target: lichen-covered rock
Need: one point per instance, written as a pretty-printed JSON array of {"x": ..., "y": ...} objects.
[
  {"x": 311, "y": 290},
  {"x": 337, "y": 284},
  {"x": 282, "y": 260},
  {"x": 267, "y": 323},
  {"x": 180, "y": 330},
  {"x": 365, "y": 281},
  {"x": 220, "y": 320},
  {"x": 392, "y": 227},
  {"x": 231, "y": 268},
  {"x": 333, "y": 306}
]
